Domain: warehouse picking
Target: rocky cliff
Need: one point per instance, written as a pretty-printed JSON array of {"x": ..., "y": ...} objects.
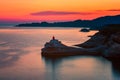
[{"x": 109, "y": 37}]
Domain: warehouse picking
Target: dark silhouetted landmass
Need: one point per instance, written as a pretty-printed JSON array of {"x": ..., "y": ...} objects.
[
  {"x": 107, "y": 42},
  {"x": 97, "y": 23}
]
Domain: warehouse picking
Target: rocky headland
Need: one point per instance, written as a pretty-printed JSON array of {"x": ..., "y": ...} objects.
[
  {"x": 107, "y": 41},
  {"x": 104, "y": 43}
]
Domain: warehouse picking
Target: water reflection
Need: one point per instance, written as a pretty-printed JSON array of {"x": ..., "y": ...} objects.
[
  {"x": 8, "y": 56},
  {"x": 76, "y": 67},
  {"x": 116, "y": 70},
  {"x": 52, "y": 67}
]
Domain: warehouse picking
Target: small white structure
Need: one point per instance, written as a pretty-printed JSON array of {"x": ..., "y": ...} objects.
[{"x": 54, "y": 43}]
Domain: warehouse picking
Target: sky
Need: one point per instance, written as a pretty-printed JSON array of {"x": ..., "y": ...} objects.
[{"x": 56, "y": 10}]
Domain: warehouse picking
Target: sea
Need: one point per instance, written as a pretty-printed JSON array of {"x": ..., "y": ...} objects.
[{"x": 20, "y": 56}]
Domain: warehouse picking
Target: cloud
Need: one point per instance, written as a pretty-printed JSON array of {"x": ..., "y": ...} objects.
[
  {"x": 42, "y": 13},
  {"x": 113, "y": 10}
]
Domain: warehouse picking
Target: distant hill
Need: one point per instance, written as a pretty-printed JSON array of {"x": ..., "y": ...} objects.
[{"x": 92, "y": 24}]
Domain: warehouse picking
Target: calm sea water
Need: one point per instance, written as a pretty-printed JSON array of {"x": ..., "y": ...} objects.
[{"x": 20, "y": 57}]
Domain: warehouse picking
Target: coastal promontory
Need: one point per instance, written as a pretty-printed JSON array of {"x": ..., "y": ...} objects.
[{"x": 109, "y": 37}]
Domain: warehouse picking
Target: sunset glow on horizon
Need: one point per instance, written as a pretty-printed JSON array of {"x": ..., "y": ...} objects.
[{"x": 57, "y": 10}]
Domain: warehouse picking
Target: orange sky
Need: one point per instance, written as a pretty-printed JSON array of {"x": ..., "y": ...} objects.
[{"x": 22, "y": 9}]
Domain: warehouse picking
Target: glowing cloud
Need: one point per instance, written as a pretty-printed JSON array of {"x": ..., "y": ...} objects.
[
  {"x": 59, "y": 13},
  {"x": 113, "y": 10}
]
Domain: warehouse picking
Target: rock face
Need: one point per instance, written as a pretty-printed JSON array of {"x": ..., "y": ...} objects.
[
  {"x": 109, "y": 38},
  {"x": 56, "y": 48},
  {"x": 113, "y": 51},
  {"x": 96, "y": 40}
]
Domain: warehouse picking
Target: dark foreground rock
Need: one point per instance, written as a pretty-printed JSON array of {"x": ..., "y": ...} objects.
[
  {"x": 109, "y": 37},
  {"x": 94, "y": 41},
  {"x": 56, "y": 48}
]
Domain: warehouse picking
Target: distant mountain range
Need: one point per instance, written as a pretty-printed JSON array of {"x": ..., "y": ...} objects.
[{"x": 97, "y": 23}]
